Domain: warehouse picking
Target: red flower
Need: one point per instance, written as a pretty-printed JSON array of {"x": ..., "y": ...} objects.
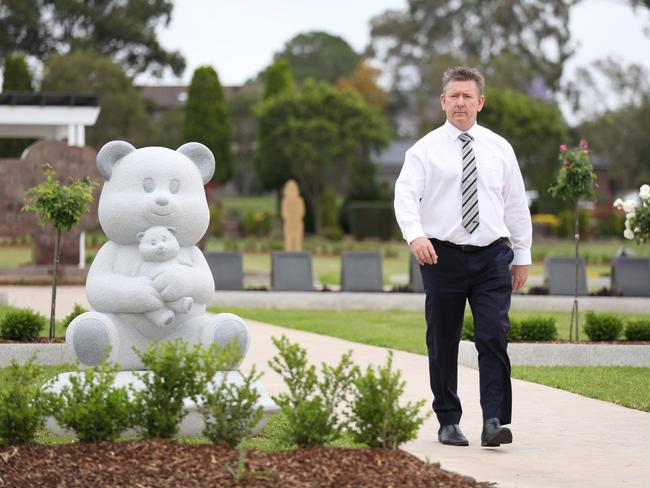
[{"x": 566, "y": 163}]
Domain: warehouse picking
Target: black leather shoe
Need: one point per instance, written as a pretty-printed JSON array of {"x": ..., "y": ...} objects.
[
  {"x": 494, "y": 434},
  {"x": 452, "y": 436}
]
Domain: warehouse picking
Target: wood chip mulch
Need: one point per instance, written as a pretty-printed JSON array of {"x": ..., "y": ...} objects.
[{"x": 164, "y": 463}]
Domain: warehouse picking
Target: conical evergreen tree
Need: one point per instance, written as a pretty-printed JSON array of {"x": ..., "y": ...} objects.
[{"x": 207, "y": 120}]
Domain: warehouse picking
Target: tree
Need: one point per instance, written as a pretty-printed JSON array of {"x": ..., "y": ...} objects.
[
  {"x": 536, "y": 32},
  {"x": 123, "y": 113},
  {"x": 16, "y": 76},
  {"x": 518, "y": 44},
  {"x": 277, "y": 78},
  {"x": 62, "y": 206},
  {"x": 317, "y": 135},
  {"x": 364, "y": 80},
  {"x": 320, "y": 56},
  {"x": 207, "y": 120},
  {"x": 575, "y": 182},
  {"x": 122, "y": 31},
  {"x": 613, "y": 99},
  {"x": 534, "y": 128},
  {"x": 244, "y": 136}
]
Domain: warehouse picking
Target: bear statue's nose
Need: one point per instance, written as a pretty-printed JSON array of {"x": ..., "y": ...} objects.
[{"x": 162, "y": 200}]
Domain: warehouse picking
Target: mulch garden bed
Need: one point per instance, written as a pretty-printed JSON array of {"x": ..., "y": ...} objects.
[{"x": 164, "y": 463}]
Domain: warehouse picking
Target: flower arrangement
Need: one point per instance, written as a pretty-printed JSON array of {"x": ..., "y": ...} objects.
[
  {"x": 576, "y": 177},
  {"x": 637, "y": 216}
]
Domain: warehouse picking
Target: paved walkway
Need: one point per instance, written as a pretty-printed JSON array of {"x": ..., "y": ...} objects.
[{"x": 560, "y": 439}]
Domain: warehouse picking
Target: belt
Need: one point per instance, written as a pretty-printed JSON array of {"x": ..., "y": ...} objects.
[{"x": 468, "y": 247}]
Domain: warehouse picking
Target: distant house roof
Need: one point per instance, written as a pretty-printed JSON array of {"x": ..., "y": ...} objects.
[
  {"x": 393, "y": 155},
  {"x": 165, "y": 96}
]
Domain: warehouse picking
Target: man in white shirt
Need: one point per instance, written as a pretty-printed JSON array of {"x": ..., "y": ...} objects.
[{"x": 461, "y": 205}]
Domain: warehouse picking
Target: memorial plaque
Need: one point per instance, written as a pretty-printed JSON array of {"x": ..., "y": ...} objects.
[
  {"x": 291, "y": 271},
  {"x": 361, "y": 271},
  {"x": 227, "y": 270},
  {"x": 631, "y": 276},
  {"x": 560, "y": 275}
]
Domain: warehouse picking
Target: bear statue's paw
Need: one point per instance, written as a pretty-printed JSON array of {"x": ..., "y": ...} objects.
[
  {"x": 223, "y": 329},
  {"x": 90, "y": 336}
]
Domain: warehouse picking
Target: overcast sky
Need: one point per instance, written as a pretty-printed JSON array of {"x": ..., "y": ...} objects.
[{"x": 239, "y": 37}]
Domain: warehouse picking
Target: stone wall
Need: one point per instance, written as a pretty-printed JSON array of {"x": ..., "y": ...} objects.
[{"x": 18, "y": 175}]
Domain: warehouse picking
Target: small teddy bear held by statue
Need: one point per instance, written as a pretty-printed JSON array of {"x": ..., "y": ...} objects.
[{"x": 158, "y": 246}]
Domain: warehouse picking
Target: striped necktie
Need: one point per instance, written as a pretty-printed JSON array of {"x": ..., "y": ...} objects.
[{"x": 468, "y": 186}]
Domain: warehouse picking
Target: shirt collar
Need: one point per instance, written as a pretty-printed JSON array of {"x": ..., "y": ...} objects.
[{"x": 454, "y": 132}]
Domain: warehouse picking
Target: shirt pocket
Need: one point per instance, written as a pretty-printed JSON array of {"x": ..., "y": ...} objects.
[{"x": 493, "y": 172}]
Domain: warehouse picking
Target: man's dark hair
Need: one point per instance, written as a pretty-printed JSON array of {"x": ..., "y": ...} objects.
[{"x": 463, "y": 73}]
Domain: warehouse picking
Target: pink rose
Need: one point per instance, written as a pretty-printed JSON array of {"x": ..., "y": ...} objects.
[
  {"x": 584, "y": 145},
  {"x": 563, "y": 148}
]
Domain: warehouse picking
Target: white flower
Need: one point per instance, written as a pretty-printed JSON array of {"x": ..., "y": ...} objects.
[
  {"x": 644, "y": 192},
  {"x": 618, "y": 203},
  {"x": 629, "y": 205},
  {"x": 628, "y": 234},
  {"x": 630, "y": 215}
]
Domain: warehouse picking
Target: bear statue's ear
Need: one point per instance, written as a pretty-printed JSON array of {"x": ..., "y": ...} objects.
[
  {"x": 172, "y": 230},
  {"x": 110, "y": 154},
  {"x": 139, "y": 236},
  {"x": 201, "y": 156}
]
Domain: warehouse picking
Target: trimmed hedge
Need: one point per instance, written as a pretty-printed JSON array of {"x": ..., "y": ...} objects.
[
  {"x": 603, "y": 326},
  {"x": 537, "y": 328},
  {"x": 22, "y": 325},
  {"x": 638, "y": 330}
]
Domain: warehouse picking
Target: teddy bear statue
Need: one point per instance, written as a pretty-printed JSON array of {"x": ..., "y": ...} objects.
[
  {"x": 133, "y": 299},
  {"x": 157, "y": 245}
]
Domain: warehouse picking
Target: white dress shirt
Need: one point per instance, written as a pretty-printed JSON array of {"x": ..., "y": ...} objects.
[{"x": 428, "y": 197}]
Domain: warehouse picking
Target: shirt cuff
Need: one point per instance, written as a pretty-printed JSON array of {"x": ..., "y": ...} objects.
[
  {"x": 413, "y": 232},
  {"x": 522, "y": 257}
]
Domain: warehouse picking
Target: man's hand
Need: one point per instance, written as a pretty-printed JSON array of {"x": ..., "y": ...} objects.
[
  {"x": 519, "y": 275},
  {"x": 423, "y": 251}
]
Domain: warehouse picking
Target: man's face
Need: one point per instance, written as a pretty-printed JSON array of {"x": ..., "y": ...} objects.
[{"x": 461, "y": 102}]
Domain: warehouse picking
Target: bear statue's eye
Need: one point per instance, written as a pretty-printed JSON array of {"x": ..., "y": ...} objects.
[
  {"x": 148, "y": 185},
  {"x": 164, "y": 238},
  {"x": 174, "y": 186}
]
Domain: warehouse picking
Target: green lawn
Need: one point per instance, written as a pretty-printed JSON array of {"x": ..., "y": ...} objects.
[
  {"x": 622, "y": 385},
  {"x": 388, "y": 328},
  {"x": 405, "y": 331},
  {"x": 14, "y": 256}
]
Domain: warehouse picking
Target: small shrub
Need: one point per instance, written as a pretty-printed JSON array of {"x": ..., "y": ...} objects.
[
  {"x": 603, "y": 326},
  {"x": 310, "y": 405},
  {"x": 638, "y": 330},
  {"x": 23, "y": 404},
  {"x": 467, "y": 333},
  {"x": 537, "y": 328},
  {"x": 93, "y": 407},
  {"x": 22, "y": 325},
  {"x": 378, "y": 419},
  {"x": 514, "y": 331},
  {"x": 230, "y": 411},
  {"x": 173, "y": 374},
  {"x": 76, "y": 311}
]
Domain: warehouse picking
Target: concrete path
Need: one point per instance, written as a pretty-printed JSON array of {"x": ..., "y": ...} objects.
[{"x": 560, "y": 439}]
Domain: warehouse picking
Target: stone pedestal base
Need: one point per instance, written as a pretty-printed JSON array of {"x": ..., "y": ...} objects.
[{"x": 191, "y": 425}]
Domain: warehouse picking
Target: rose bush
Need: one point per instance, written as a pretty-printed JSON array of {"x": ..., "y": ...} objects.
[{"x": 637, "y": 215}]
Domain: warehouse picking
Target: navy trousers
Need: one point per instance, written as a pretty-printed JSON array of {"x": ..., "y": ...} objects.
[{"x": 483, "y": 279}]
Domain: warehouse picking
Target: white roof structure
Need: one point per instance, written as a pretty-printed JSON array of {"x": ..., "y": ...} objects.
[{"x": 48, "y": 115}]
